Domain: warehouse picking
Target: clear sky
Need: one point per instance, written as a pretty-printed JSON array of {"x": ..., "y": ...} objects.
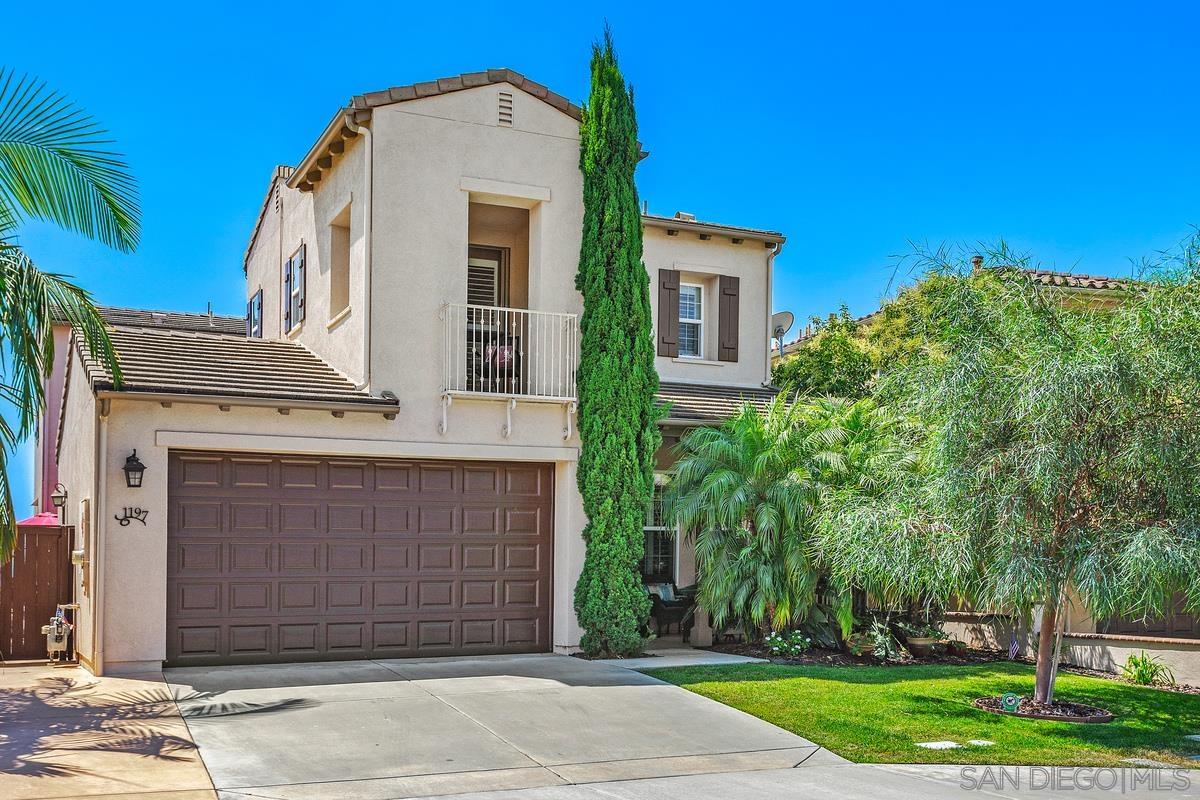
[{"x": 854, "y": 129}]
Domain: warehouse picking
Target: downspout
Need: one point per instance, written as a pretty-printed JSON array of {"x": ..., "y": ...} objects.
[
  {"x": 368, "y": 212},
  {"x": 776, "y": 250},
  {"x": 101, "y": 489}
]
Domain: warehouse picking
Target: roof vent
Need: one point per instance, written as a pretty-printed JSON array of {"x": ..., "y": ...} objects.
[
  {"x": 158, "y": 317},
  {"x": 505, "y": 110},
  {"x": 685, "y": 216}
]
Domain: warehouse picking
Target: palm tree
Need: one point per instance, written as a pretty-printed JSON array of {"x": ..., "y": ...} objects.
[
  {"x": 750, "y": 492},
  {"x": 54, "y": 166}
]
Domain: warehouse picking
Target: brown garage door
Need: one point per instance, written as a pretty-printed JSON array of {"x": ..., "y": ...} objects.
[{"x": 286, "y": 558}]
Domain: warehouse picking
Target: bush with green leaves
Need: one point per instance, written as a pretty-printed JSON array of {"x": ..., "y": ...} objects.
[
  {"x": 787, "y": 645},
  {"x": 1147, "y": 670},
  {"x": 832, "y": 362},
  {"x": 749, "y": 491},
  {"x": 887, "y": 648},
  {"x": 1057, "y": 457}
]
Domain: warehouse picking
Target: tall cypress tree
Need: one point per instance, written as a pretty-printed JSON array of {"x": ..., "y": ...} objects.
[{"x": 617, "y": 380}]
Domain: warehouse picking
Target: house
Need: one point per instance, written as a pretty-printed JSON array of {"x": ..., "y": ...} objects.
[{"x": 380, "y": 459}]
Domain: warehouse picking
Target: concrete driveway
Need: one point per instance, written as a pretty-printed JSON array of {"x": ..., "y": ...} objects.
[{"x": 406, "y": 728}]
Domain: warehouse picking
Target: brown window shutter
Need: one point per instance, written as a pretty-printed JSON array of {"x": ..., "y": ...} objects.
[
  {"x": 301, "y": 278},
  {"x": 286, "y": 300},
  {"x": 727, "y": 318},
  {"x": 668, "y": 313}
]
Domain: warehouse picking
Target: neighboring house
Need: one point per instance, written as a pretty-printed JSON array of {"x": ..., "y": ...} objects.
[{"x": 380, "y": 459}]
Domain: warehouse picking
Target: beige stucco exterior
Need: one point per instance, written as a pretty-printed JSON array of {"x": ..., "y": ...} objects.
[{"x": 423, "y": 179}]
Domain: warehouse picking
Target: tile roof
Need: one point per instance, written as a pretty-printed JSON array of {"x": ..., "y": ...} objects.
[
  {"x": 1042, "y": 277},
  {"x": 174, "y": 320},
  {"x": 711, "y": 403},
  {"x": 163, "y": 360},
  {"x": 1072, "y": 280},
  {"x": 658, "y": 221},
  {"x": 467, "y": 80}
]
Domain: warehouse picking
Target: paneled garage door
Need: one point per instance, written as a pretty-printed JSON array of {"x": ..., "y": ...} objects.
[{"x": 288, "y": 558}]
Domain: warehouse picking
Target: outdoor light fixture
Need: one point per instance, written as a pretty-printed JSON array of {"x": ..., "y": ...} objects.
[
  {"x": 133, "y": 471},
  {"x": 58, "y": 498}
]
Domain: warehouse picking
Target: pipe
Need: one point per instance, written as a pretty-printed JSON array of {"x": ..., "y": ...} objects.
[
  {"x": 101, "y": 482},
  {"x": 369, "y": 190},
  {"x": 776, "y": 250}
]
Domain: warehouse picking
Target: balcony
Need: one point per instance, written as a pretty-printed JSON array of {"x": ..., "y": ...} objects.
[{"x": 509, "y": 354}]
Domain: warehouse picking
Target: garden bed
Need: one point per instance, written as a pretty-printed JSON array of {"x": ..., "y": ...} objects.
[
  {"x": 1056, "y": 711},
  {"x": 821, "y": 657}
]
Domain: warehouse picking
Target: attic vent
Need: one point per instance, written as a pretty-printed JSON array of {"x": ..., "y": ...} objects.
[
  {"x": 505, "y": 109},
  {"x": 684, "y": 216}
]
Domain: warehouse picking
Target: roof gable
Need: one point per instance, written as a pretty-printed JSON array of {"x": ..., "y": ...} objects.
[{"x": 467, "y": 80}]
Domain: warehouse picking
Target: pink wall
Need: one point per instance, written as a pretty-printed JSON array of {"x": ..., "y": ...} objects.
[{"x": 47, "y": 463}]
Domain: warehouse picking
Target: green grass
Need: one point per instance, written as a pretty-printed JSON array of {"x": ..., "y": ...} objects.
[{"x": 877, "y": 714}]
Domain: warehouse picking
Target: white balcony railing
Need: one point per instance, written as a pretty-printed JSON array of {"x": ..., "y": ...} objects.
[{"x": 511, "y": 353}]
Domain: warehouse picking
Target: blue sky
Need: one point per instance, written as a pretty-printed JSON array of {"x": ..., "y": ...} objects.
[{"x": 1069, "y": 131}]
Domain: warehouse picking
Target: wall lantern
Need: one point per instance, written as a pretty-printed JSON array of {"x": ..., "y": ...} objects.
[
  {"x": 58, "y": 498},
  {"x": 133, "y": 471}
]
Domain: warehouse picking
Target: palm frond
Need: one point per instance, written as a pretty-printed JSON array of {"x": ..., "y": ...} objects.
[
  {"x": 31, "y": 302},
  {"x": 55, "y": 166}
]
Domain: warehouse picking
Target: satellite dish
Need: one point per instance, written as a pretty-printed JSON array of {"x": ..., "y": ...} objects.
[{"x": 781, "y": 323}]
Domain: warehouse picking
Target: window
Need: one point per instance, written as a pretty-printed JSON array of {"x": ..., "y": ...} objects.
[
  {"x": 691, "y": 320},
  {"x": 486, "y": 276},
  {"x": 658, "y": 561},
  {"x": 339, "y": 263},
  {"x": 254, "y": 316},
  {"x": 293, "y": 291}
]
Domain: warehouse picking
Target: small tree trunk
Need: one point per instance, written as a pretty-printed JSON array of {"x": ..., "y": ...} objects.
[{"x": 1044, "y": 684}]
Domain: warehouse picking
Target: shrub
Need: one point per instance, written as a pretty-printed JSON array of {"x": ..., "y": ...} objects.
[
  {"x": 787, "y": 645},
  {"x": 1148, "y": 670}
]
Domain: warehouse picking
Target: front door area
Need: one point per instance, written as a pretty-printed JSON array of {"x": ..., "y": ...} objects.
[{"x": 292, "y": 558}]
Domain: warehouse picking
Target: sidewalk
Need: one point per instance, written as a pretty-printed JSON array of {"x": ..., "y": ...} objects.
[{"x": 66, "y": 733}]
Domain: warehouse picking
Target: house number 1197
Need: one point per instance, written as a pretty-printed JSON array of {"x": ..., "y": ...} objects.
[{"x": 130, "y": 514}]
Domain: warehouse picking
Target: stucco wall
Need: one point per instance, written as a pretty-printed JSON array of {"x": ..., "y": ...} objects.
[
  {"x": 76, "y": 471},
  {"x": 702, "y": 262}
]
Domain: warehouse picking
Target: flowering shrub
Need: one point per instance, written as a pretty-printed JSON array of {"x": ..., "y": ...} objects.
[{"x": 787, "y": 645}]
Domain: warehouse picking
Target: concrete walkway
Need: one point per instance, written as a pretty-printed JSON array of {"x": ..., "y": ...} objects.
[
  {"x": 881, "y": 782},
  {"x": 65, "y": 733},
  {"x": 680, "y": 656},
  {"x": 406, "y": 728}
]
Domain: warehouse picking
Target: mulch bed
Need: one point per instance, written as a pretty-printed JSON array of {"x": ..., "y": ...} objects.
[
  {"x": 1057, "y": 711},
  {"x": 1179, "y": 688},
  {"x": 821, "y": 657}
]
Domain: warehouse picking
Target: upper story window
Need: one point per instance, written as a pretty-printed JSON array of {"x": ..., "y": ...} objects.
[
  {"x": 293, "y": 290},
  {"x": 339, "y": 263},
  {"x": 254, "y": 318},
  {"x": 691, "y": 320}
]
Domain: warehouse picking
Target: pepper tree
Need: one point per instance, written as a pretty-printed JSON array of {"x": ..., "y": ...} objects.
[{"x": 616, "y": 379}]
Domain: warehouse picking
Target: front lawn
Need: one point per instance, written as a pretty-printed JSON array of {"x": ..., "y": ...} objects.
[{"x": 878, "y": 714}]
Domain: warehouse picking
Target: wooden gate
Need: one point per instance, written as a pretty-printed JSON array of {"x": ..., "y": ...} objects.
[{"x": 32, "y": 585}]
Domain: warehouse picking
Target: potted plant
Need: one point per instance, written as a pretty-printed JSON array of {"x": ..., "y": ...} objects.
[
  {"x": 921, "y": 637},
  {"x": 860, "y": 644}
]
